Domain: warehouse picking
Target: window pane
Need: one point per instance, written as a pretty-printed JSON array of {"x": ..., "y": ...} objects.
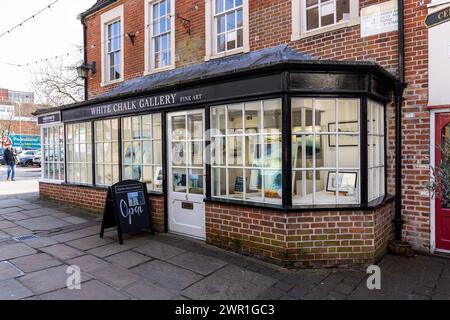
[
  {"x": 179, "y": 181},
  {"x": 229, "y": 4},
  {"x": 220, "y": 24},
  {"x": 218, "y": 151},
  {"x": 218, "y": 121},
  {"x": 219, "y": 182},
  {"x": 196, "y": 181},
  {"x": 235, "y": 120},
  {"x": 312, "y": 18},
  {"x": 235, "y": 151},
  {"x": 254, "y": 185},
  {"x": 272, "y": 185},
  {"x": 253, "y": 117},
  {"x": 236, "y": 183},
  {"x": 272, "y": 116},
  {"x": 342, "y": 10},
  {"x": 219, "y": 6}
]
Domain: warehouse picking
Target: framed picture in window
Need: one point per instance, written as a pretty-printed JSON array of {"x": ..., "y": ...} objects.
[
  {"x": 344, "y": 140},
  {"x": 345, "y": 180},
  {"x": 158, "y": 177}
]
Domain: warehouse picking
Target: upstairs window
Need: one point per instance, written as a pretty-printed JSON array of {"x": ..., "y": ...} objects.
[
  {"x": 321, "y": 13},
  {"x": 160, "y": 38},
  {"x": 310, "y": 17},
  {"x": 229, "y": 22},
  {"x": 112, "y": 35},
  {"x": 114, "y": 51},
  {"x": 226, "y": 27}
]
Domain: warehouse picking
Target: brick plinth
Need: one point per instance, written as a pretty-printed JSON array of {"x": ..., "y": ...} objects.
[
  {"x": 306, "y": 239},
  {"x": 93, "y": 199}
]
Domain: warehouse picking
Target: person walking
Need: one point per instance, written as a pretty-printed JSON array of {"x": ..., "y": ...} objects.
[{"x": 10, "y": 161}]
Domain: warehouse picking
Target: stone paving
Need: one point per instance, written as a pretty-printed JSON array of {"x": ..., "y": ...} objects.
[{"x": 171, "y": 267}]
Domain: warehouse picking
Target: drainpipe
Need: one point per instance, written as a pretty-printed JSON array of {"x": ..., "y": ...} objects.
[
  {"x": 399, "y": 89},
  {"x": 86, "y": 96}
]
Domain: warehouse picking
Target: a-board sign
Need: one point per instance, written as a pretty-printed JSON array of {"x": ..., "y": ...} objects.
[{"x": 127, "y": 208}]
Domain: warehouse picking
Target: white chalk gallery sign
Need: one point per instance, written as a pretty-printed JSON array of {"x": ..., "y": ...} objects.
[{"x": 379, "y": 18}]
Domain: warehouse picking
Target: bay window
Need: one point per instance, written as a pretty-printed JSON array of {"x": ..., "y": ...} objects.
[
  {"x": 246, "y": 151},
  {"x": 52, "y": 158},
  {"x": 142, "y": 150},
  {"x": 106, "y": 152},
  {"x": 375, "y": 148},
  {"x": 325, "y": 151},
  {"x": 79, "y": 153}
]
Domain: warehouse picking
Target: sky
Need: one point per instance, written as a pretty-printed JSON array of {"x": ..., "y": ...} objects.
[{"x": 54, "y": 32}]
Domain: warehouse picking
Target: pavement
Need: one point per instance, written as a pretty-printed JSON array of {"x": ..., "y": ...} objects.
[
  {"x": 26, "y": 181},
  {"x": 43, "y": 244}
]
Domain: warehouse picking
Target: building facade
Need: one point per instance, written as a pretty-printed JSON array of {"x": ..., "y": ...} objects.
[
  {"x": 264, "y": 127},
  {"x": 11, "y": 96}
]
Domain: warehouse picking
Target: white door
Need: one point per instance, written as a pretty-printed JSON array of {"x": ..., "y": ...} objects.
[{"x": 186, "y": 183}]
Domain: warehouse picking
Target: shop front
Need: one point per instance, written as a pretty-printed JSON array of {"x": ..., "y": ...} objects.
[{"x": 272, "y": 154}]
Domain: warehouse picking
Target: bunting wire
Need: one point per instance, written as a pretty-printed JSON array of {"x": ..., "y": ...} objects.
[{"x": 48, "y": 7}]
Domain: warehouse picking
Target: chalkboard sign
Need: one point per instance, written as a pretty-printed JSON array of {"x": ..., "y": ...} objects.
[{"x": 127, "y": 208}]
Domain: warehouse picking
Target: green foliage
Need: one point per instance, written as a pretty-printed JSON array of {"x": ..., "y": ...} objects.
[{"x": 440, "y": 184}]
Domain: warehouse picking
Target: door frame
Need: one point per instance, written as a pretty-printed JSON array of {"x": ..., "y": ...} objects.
[
  {"x": 433, "y": 113},
  {"x": 168, "y": 180}
]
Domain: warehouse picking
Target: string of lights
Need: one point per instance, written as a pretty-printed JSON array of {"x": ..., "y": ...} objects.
[{"x": 48, "y": 7}]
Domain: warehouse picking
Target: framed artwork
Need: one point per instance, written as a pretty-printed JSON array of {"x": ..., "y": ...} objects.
[
  {"x": 158, "y": 177},
  {"x": 179, "y": 182},
  {"x": 344, "y": 141},
  {"x": 345, "y": 180}
]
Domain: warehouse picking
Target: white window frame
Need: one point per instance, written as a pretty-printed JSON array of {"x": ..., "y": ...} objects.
[
  {"x": 152, "y": 139},
  {"x": 70, "y": 162},
  {"x": 114, "y": 158},
  {"x": 299, "y": 20},
  {"x": 210, "y": 32},
  {"x": 149, "y": 51},
  {"x": 43, "y": 145},
  {"x": 107, "y": 18},
  {"x": 261, "y": 136}
]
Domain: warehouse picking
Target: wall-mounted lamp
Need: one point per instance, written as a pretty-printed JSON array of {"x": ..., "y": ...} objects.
[{"x": 83, "y": 70}]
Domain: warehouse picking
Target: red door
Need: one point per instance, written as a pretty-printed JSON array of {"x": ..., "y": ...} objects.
[{"x": 442, "y": 208}]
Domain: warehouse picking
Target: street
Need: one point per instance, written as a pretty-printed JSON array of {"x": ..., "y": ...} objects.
[{"x": 26, "y": 181}]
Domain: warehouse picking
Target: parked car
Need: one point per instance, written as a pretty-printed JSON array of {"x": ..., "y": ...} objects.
[
  {"x": 37, "y": 161},
  {"x": 26, "y": 157}
]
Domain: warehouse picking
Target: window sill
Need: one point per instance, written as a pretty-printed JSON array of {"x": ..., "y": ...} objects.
[
  {"x": 50, "y": 181},
  {"x": 110, "y": 83},
  {"x": 373, "y": 205},
  {"x": 341, "y": 25},
  {"x": 153, "y": 71},
  {"x": 233, "y": 52}
]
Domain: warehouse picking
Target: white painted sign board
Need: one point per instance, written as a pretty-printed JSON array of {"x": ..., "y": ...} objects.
[{"x": 379, "y": 18}]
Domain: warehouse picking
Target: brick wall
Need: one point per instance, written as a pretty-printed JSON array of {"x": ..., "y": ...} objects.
[
  {"x": 93, "y": 199},
  {"x": 308, "y": 239}
]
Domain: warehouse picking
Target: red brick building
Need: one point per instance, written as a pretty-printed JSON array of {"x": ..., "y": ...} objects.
[{"x": 267, "y": 127}]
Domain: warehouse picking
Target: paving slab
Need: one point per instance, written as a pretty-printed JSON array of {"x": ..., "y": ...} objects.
[
  {"x": 109, "y": 249},
  {"x": 4, "y": 211},
  {"x": 35, "y": 213},
  {"x": 48, "y": 279},
  {"x": 35, "y": 262},
  {"x": 12, "y": 203},
  {"x": 230, "y": 283},
  {"x": 115, "y": 276},
  {"x": 13, "y": 290},
  {"x": 149, "y": 291},
  {"x": 39, "y": 242},
  {"x": 15, "y": 250},
  {"x": 166, "y": 275},
  {"x": 159, "y": 250},
  {"x": 90, "y": 290},
  {"x": 74, "y": 220},
  {"x": 18, "y": 231},
  {"x": 9, "y": 271},
  {"x": 4, "y": 235},
  {"x": 198, "y": 263},
  {"x": 88, "y": 263},
  {"x": 30, "y": 206},
  {"x": 89, "y": 242},
  {"x": 77, "y": 234},
  {"x": 7, "y": 224},
  {"x": 59, "y": 214},
  {"x": 62, "y": 251},
  {"x": 128, "y": 259},
  {"x": 15, "y": 216},
  {"x": 45, "y": 223}
]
